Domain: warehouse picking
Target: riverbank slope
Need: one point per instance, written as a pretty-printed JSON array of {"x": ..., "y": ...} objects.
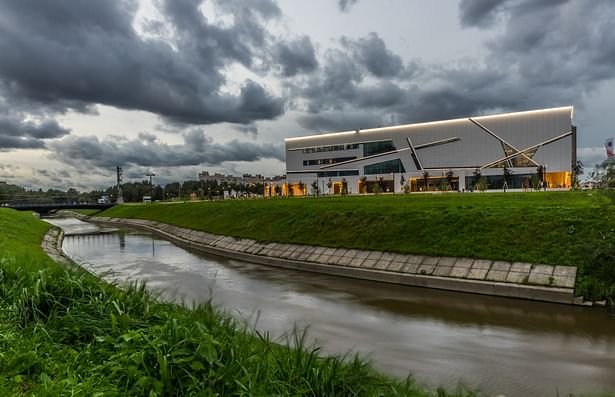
[
  {"x": 65, "y": 332},
  {"x": 554, "y": 228}
]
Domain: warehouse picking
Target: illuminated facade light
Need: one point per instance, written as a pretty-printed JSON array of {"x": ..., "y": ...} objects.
[{"x": 512, "y": 143}]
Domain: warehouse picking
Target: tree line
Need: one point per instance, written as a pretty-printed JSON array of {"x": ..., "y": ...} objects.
[{"x": 132, "y": 192}]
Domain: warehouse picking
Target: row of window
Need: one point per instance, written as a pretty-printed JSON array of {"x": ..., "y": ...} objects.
[
  {"x": 327, "y": 161},
  {"x": 331, "y": 148},
  {"x": 329, "y": 174}
]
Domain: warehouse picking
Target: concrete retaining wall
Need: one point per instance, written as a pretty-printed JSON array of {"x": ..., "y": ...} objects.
[{"x": 514, "y": 280}]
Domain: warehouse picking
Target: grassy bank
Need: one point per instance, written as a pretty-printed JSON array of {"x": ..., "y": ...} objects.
[
  {"x": 67, "y": 333},
  {"x": 559, "y": 228}
]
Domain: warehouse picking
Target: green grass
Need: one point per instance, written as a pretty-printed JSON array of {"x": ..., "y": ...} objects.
[
  {"x": 558, "y": 228},
  {"x": 66, "y": 333}
]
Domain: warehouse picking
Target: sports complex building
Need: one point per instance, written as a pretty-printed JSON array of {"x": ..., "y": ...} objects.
[{"x": 516, "y": 151}]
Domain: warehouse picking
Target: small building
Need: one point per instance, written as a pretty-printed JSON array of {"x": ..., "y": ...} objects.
[
  {"x": 495, "y": 152},
  {"x": 245, "y": 179}
]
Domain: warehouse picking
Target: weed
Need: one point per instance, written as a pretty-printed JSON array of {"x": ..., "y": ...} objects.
[{"x": 65, "y": 332}]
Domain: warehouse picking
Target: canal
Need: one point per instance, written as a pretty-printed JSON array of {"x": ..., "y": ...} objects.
[{"x": 497, "y": 345}]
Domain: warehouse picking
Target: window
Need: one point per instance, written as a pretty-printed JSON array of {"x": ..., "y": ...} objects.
[
  {"x": 386, "y": 167},
  {"x": 326, "y": 174},
  {"x": 319, "y": 149},
  {"x": 495, "y": 182},
  {"x": 331, "y": 148},
  {"x": 371, "y": 148},
  {"x": 327, "y": 161}
]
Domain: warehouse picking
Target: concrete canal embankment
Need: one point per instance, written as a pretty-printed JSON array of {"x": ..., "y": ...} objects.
[{"x": 498, "y": 278}]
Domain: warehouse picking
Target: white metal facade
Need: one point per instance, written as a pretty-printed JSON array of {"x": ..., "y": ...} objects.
[{"x": 518, "y": 141}]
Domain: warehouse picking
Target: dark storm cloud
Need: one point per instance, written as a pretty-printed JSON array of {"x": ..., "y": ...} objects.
[
  {"x": 146, "y": 151},
  {"x": 17, "y": 131},
  {"x": 13, "y": 142},
  {"x": 58, "y": 177},
  {"x": 345, "y": 5},
  {"x": 553, "y": 51},
  {"x": 545, "y": 54},
  {"x": 249, "y": 129},
  {"x": 295, "y": 57},
  {"x": 377, "y": 58},
  {"x": 20, "y": 128},
  {"x": 480, "y": 13},
  {"x": 91, "y": 54},
  {"x": 339, "y": 121},
  {"x": 356, "y": 87},
  {"x": 335, "y": 85}
]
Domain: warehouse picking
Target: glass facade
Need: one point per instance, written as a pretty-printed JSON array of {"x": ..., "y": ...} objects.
[
  {"x": 494, "y": 182},
  {"x": 372, "y": 148},
  {"x": 386, "y": 167}
]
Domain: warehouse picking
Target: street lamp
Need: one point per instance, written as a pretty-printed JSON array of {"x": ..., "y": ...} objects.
[{"x": 151, "y": 184}]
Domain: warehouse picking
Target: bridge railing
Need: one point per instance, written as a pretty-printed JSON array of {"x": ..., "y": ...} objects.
[{"x": 55, "y": 206}]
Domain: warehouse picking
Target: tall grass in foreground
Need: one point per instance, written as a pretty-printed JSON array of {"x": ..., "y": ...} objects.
[{"x": 65, "y": 332}]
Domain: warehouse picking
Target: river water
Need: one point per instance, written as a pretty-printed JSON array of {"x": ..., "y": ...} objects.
[{"x": 497, "y": 345}]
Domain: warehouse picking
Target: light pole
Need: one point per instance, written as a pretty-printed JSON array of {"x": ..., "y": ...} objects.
[{"x": 151, "y": 184}]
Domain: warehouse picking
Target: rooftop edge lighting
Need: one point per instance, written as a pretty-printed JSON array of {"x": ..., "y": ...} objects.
[{"x": 431, "y": 123}]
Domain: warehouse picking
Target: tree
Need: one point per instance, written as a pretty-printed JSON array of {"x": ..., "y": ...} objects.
[
  {"x": 426, "y": 180},
  {"x": 540, "y": 172},
  {"x": 577, "y": 169},
  {"x": 449, "y": 179},
  {"x": 477, "y": 177},
  {"x": 507, "y": 177},
  {"x": 482, "y": 184},
  {"x": 604, "y": 174}
]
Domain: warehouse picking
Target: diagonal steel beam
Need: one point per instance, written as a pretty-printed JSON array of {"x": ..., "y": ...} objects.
[
  {"x": 488, "y": 131},
  {"x": 415, "y": 157},
  {"x": 548, "y": 141}
]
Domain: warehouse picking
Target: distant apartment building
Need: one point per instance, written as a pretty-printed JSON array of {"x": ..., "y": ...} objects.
[
  {"x": 245, "y": 179},
  {"x": 498, "y": 151}
]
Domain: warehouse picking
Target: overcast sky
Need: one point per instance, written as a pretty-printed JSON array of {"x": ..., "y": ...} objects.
[{"x": 180, "y": 86}]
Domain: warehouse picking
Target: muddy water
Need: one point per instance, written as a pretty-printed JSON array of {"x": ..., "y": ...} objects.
[{"x": 496, "y": 345}]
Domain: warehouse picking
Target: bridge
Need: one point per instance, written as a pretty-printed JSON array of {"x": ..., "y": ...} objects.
[{"x": 44, "y": 208}]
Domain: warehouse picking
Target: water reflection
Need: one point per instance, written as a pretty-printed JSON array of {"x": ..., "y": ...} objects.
[{"x": 512, "y": 347}]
